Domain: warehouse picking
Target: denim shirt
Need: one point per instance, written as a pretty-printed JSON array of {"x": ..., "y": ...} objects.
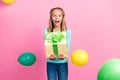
[{"x": 68, "y": 38}]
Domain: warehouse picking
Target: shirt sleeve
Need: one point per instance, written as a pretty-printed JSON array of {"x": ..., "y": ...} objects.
[
  {"x": 45, "y": 31},
  {"x": 68, "y": 39}
]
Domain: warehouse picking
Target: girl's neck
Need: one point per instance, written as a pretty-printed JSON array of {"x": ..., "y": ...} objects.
[{"x": 57, "y": 28}]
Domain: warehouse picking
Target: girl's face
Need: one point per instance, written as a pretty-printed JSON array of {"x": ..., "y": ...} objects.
[{"x": 57, "y": 17}]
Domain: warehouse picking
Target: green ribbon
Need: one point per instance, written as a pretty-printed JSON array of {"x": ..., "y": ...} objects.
[{"x": 54, "y": 38}]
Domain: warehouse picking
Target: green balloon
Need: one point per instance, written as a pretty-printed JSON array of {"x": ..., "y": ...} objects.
[
  {"x": 27, "y": 59},
  {"x": 110, "y": 70}
]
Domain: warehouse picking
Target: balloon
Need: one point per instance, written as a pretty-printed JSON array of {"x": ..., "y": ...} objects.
[
  {"x": 79, "y": 57},
  {"x": 8, "y": 1},
  {"x": 110, "y": 70},
  {"x": 27, "y": 59}
]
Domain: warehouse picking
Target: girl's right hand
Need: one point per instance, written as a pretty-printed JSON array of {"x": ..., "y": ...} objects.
[{"x": 52, "y": 57}]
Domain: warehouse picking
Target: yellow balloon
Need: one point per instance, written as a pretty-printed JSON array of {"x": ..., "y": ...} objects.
[
  {"x": 79, "y": 57},
  {"x": 8, "y": 1}
]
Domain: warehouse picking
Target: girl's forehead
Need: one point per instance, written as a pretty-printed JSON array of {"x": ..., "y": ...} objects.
[{"x": 57, "y": 11}]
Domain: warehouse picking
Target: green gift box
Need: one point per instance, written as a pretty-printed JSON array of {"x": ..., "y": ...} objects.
[{"x": 55, "y": 43}]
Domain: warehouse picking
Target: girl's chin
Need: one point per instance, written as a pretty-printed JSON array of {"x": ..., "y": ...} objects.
[{"x": 57, "y": 25}]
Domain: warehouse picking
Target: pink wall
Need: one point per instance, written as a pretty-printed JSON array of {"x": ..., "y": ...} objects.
[{"x": 95, "y": 26}]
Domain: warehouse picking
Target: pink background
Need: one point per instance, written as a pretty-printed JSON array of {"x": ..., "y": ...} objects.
[{"x": 95, "y": 26}]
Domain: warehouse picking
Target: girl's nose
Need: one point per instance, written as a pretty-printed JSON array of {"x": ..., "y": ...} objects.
[{"x": 56, "y": 17}]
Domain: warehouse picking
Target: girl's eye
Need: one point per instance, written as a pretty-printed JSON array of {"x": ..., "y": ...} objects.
[
  {"x": 60, "y": 15},
  {"x": 54, "y": 15}
]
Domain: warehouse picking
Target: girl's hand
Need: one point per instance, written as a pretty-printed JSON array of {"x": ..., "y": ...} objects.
[
  {"x": 52, "y": 57},
  {"x": 61, "y": 56}
]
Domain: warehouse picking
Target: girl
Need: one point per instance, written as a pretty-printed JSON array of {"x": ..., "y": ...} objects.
[{"x": 58, "y": 68}]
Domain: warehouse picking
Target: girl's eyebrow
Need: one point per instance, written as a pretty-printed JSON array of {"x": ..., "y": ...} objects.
[{"x": 55, "y": 15}]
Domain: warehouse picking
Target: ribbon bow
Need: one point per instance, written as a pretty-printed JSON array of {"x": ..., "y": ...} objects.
[{"x": 55, "y": 36}]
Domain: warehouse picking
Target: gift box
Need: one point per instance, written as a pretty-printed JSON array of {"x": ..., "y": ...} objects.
[{"x": 55, "y": 43}]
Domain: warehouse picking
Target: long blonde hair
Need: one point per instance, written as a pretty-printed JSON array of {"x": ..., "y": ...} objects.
[{"x": 50, "y": 24}]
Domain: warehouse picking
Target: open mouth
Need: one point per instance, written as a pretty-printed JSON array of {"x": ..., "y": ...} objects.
[{"x": 57, "y": 21}]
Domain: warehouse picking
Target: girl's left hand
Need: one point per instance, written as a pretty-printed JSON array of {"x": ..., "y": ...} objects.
[{"x": 61, "y": 56}]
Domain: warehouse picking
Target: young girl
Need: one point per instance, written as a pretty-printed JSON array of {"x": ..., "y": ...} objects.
[{"x": 58, "y": 68}]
